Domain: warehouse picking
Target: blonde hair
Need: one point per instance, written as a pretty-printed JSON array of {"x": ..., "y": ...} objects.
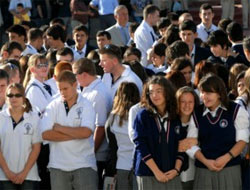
[{"x": 33, "y": 61}]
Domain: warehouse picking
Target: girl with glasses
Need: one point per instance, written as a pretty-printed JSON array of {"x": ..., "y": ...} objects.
[
  {"x": 157, "y": 162},
  {"x": 39, "y": 93},
  {"x": 20, "y": 142}
]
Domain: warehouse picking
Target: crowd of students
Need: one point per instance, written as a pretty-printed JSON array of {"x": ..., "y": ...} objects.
[{"x": 161, "y": 104}]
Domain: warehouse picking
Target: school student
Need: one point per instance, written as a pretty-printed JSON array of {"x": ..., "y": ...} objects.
[
  {"x": 222, "y": 130},
  {"x": 68, "y": 126},
  {"x": 38, "y": 93},
  {"x": 117, "y": 134},
  {"x": 187, "y": 100},
  {"x": 157, "y": 163},
  {"x": 243, "y": 100},
  {"x": 20, "y": 142}
]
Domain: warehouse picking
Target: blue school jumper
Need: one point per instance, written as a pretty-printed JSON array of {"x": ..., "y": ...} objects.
[
  {"x": 216, "y": 135},
  {"x": 147, "y": 141}
]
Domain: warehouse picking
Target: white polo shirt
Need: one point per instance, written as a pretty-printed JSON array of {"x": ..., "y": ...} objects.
[
  {"x": 37, "y": 95},
  {"x": 127, "y": 76},
  {"x": 125, "y": 146},
  {"x": 97, "y": 94},
  {"x": 16, "y": 143},
  {"x": 73, "y": 154},
  {"x": 29, "y": 50}
]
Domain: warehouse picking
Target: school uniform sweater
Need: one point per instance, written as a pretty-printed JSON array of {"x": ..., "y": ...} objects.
[{"x": 216, "y": 135}]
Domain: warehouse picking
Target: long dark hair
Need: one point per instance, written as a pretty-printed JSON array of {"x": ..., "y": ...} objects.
[
  {"x": 21, "y": 90},
  {"x": 126, "y": 96},
  {"x": 169, "y": 94}
]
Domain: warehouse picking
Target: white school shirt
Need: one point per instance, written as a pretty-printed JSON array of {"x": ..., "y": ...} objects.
[
  {"x": 29, "y": 50},
  {"x": 38, "y": 96},
  {"x": 188, "y": 175},
  {"x": 241, "y": 124},
  {"x": 127, "y": 76},
  {"x": 131, "y": 119},
  {"x": 16, "y": 144},
  {"x": 144, "y": 41},
  {"x": 98, "y": 95},
  {"x": 125, "y": 146},
  {"x": 77, "y": 54},
  {"x": 201, "y": 31},
  {"x": 73, "y": 154}
]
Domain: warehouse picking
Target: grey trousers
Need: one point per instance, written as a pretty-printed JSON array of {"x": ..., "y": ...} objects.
[{"x": 80, "y": 179}]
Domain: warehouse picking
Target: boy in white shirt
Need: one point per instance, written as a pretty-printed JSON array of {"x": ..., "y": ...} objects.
[{"x": 68, "y": 124}]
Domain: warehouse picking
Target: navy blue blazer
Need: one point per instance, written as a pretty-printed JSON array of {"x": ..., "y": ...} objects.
[
  {"x": 201, "y": 54},
  {"x": 147, "y": 143}
]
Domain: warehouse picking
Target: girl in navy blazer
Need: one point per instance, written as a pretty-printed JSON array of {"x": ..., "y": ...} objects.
[{"x": 157, "y": 162}]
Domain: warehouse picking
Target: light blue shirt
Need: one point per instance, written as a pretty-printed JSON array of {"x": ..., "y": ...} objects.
[
  {"x": 105, "y": 7},
  {"x": 124, "y": 33}
]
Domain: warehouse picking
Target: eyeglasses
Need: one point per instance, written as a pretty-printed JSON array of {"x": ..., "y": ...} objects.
[
  {"x": 14, "y": 95},
  {"x": 40, "y": 65}
]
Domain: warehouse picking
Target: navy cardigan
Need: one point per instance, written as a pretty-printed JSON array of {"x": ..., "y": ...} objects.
[{"x": 147, "y": 143}]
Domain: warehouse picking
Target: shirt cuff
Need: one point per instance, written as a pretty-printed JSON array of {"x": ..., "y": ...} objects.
[
  {"x": 191, "y": 152},
  {"x": 243, "y": 135}
]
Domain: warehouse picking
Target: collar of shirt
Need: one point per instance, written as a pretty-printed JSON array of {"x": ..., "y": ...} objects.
[
  {"x": 159, "y": 116},
  {"x": 83, "y": 50},
  {"x": 6, "y": 113},
  {"x": 211, "y": 29},
  {"x": 237, "y": 44},
  {"x": 192, "y": 53},
  {"x": 213, "y": 113},
  {"x": 119, "y": 26},
  {"x": 79, "y": 96},
  {"x": 148, "y": 27},
  {"x": 36, "y": 81},
  {"x": 31, "y": 47},
  {"x": 92, "y": 85}
]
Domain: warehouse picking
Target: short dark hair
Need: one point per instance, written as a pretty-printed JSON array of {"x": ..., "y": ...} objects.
[
  {"x": 81, "y": 27},
  {"x": 4, "y": 75},
  {"x": 149, "y": 9},
  {"x": 57, "y": 32},
  {"x": 223, "y": 23},
  {"x": 246, "y": 43},
  {"x": 235, "y": 31},
  {"x": 85, "y": 65},
  {"x": 103, "y": 33},
  {"x": 132, "y": 51},
  {"x": 181, "y": 63},
  {"x": 19, "y": 5},
  {"x": 112, "y": 50},
  {"x": 213, "y": 83},
  {"x": 65, "y": 51},
  {"x": 218, "y": 37},
  {"x": 57, "y": 21},
  {"x": 175, "y": 50},
  {"x": 188, "y": 25},
  {"x": 18, "y": 29},
  {"x": 206, "y": 6},
  {"x": 159, "y": 49},
  {"x": 34, "y": 33},
  {"x": 10, "y": 46},
  {"x": 163, "y": 23}
]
